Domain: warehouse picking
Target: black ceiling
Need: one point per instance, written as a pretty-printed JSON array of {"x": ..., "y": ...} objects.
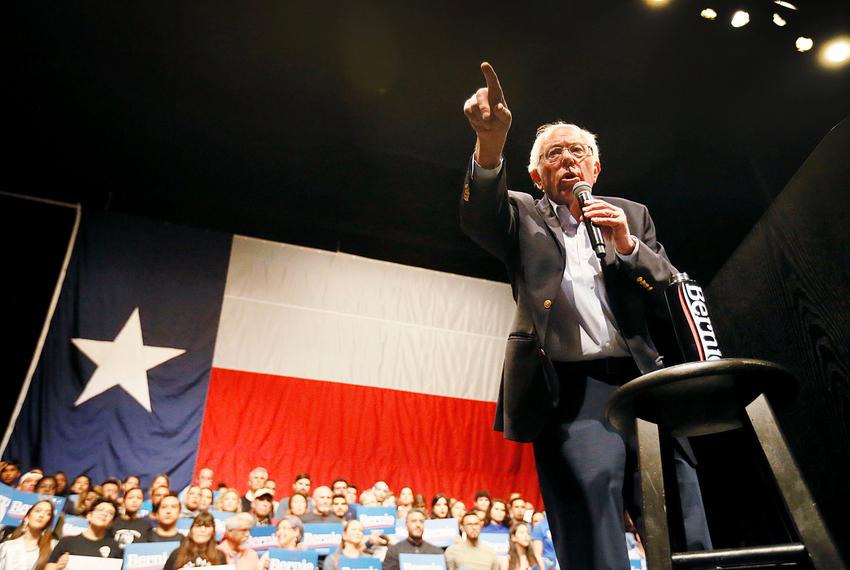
[{"x": 339, "y": 126}]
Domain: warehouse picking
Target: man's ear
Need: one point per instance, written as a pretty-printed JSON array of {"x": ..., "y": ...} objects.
[
  {"x": 597, "y": 169},
  {"x": 535, "y": 177}
]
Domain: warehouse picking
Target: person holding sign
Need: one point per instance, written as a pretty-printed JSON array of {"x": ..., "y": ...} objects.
[
  {"x": 353, "y": 545},
  {"x": 413, "y": 544},
  {"x": 95, "y": 541},
  {"x": 199, "y": 548},
  {"x": 581, "y": 329},
  {"x": 130, "y": 527},
  {"x": 30, "y": 545},
  {"x": 290, "y": 531},
  {"x": 235, "y": 544}
]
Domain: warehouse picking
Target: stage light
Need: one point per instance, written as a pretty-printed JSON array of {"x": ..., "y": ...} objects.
[
  {"x": 708, "y": 14},
  {"x": 777, "y": 19},
  {"x": 656, "y": 3},
  {"x": 836, "y": 52},
  {"x": 788, "y": 5},
  {"x": 804, "y": 44},
  {"x": 740, "y": 19}
]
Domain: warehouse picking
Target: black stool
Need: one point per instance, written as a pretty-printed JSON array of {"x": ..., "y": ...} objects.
[{"x": 700, "y": 398}]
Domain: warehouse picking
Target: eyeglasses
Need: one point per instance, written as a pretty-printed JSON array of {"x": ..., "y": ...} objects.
[
  {"x": 105, "y": 511},
  {"x": 578, "y": 151}
]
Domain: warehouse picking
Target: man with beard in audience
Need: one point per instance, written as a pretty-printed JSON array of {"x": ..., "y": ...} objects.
[
  {"x": 167, "y": 511},
  {"x": 471, "y": 554},
  {"x": 321, "y": 506},
  {"x": 191, "y": 502},
  {"x": 95, "y": 541},
  {"x": 256, "y": 480},
  {"x": 261, "y": 507},
  {"x": 340, "y": 512},
  {"x": 111, "y": 489},
  {"x": 301, "y": 484},
  {"x": 517, "y": 510},
  {"x": 413, "y": 544}
]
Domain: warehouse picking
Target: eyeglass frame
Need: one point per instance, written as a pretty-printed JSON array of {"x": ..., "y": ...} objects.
[{"x": 544, "y": 156}]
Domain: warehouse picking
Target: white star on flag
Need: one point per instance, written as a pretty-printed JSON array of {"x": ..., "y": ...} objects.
[{"x": 123, "y": 362}]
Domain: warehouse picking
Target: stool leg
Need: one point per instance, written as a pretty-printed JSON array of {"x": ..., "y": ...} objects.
[
  {"x": 798, "y": 499},
  {"x": 658, "y": 555}
]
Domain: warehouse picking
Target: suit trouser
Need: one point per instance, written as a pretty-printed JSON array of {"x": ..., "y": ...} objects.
[{"x": 588, "y": 472}]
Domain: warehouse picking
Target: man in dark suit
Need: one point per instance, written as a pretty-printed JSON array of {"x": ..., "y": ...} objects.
[{"x": 581, "y": 328}]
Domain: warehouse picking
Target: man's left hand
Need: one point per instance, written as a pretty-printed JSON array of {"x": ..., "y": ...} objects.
[{"x": 612, "y": 221}]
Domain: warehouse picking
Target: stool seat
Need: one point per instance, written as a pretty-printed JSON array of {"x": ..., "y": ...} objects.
[{"x": 698, "y": 398}]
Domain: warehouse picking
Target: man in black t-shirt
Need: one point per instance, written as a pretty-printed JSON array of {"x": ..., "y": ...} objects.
[
  {"x": 94, "y": 541},
  {"x": 166, "y": 512}
]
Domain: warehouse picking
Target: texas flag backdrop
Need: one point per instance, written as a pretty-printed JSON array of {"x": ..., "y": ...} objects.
[{"x": 173, "y": 348}]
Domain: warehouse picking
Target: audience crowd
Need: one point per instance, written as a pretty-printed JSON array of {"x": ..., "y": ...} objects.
[{"x": 119, "y": 512}]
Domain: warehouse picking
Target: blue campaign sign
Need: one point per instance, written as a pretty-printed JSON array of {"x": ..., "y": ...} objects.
[
  {"x": 498, "y": 541},
  {"x": 381, "y": 519},
  {"x": 324, "y": 538},
  {"x": 262, "y": 537},
  {"x": 183, "y": 525},
  {"x": 359, "y": 563},
  {"x": 281, "y": 559},
  {"x": 400, "y": 530},
  {"x": 147, "y": 555},
  {"x": 14, "y": 505},
  {"x": 422, "y": 562},
  {"x": 74, "y": 525},
  {"x": 441, "y": 532}
]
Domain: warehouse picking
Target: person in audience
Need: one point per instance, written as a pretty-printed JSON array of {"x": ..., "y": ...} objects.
[
  {"x": 29, "y": 546},
  {"x": 339, "y": 486},
  {"x": 413, "y": 544},
  {"x": 167, "y": 511},
  {"x": 520, "y": 554},
  {"x": 87, "y": 501},
  {"x": 541, "y": 542},
  {"x": 229, "y": 501},
  {"x": 131, "y": 482},
  {"x": 419, "y": 501},
  {"x": 235, "y": 544},
  {"x": 516, "y": 509},
  {"x": 297, "y": 505},
  {"x": 351, "y": 494},
  {"x": 10, "y": 473},
  {"x": 28, "y": 481},
  {"x": 205, "y": 480},
  {"x": 458, "y": 510},
  {"x": 498, "y": 518},
  {"x": 159, "y": 480},
  {"x": 81, "y": 485},
  {"x": 262, "y": 507},
  {"x": 157, "y": 493},
  {"x": 340, "y": 511},
  {"x": 46, "y": 486},
  {"x": 382, "y": 492},
  {"x": 321, "y": 506},
  {"x": 205, "y": 500},
  {"x": 130, "y": 527},
  {"x": 191, "y": 504},
  {"x": 529, "y": 511},
  {"x": 301, "y": 484},
  {"x": 353, "y": 545},
  {"x": 61, "y": 484},
  {"x": 75, "y": 504},
  {"x": 111, "y": 489},
  {"x": 482, "y": 500},
  {"x": 471, "y": 554},
  {"x": 368, "y": 499},
  {"x": 93, "y": 541},
  {"x": 199, "y": 547},
  {"x": 271, "y": 485},
  {"x": 405, "y": 502},
  {"x": 290, "y": 532},
  {"x": 440, "y": 506},
  {"x": 536, "y": 517},
  {"x": 256, "y": 480}
]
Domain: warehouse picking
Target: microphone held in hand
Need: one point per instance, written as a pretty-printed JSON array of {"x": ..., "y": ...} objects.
[{"x": 581, "y": 191}]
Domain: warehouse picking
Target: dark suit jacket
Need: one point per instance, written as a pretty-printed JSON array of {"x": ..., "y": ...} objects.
[{"x": 526, "y": 235}]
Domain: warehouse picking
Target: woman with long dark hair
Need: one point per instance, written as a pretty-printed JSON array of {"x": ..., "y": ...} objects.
[
  {"x": 497, "y": 519},
  {"x": 30, "y": 545},
  {"x": 199, "y": 548},
  {"x": 440, "y": 506},
  {"x": 520, "y": 554}
]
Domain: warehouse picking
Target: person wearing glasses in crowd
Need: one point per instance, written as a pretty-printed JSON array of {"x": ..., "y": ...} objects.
[
  {"x": 94, "y": 541},
  {"x": 29, "y": 546},
  {"x": 581, "y": 327},
  {"x": 290, "y": 531},
  {"x": 235, "y": 544},
  {"x": 471, "y": 554},
  {"x": 199, "y": 548}
]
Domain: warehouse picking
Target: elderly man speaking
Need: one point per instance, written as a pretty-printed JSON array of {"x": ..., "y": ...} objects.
[{"x": 580, "y": 329}]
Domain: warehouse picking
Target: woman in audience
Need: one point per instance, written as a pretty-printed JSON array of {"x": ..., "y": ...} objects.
[
  {"x": 405, "y": 503},
  {"x": 199, "y": 547},
  {"x": 79, "y": 488},
  {"x": 160, "y": 480},
  {"x": 130, "y": 527},
  {"x": 29, "y": 480},
  {"x": 520, "y": 554},
  {"x": 81, "y": 485},
  {"x": 353, "y": 545},
  {"x": 46, "y": 486},
  {"x": 440, "y": 506},
  {"x": 497, "y": 521},
  {"x": 297, "y": 505},
  {"x": 206, "y": 500},
  {"x": 131, "y": 482},
  {"x": 62, "y": 489},
  {"x": 290, "y": 531},
  {"x": 86, "y": 502},
  {"x": 229, "y": 501},
  {"x": 458, "y": 510},
  {"x": 30, "y": 545}
]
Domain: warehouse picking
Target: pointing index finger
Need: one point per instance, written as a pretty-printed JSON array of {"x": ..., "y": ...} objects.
[{"x": 494, "y": 88}]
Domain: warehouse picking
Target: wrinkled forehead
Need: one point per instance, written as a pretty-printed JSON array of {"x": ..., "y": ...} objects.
[{"x": 563, "y": 134}]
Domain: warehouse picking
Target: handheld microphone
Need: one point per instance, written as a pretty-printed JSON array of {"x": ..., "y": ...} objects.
[{"x": 581, "y": 190}]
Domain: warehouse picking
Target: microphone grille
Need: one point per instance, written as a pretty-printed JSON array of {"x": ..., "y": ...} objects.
[{"x": 581, "y": 187}]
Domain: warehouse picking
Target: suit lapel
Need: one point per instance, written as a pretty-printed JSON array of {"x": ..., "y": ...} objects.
[{"x": 554, "y": 224}]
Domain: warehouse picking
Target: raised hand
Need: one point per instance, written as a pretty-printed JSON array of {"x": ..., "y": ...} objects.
[{"x": 489, "y": 116}]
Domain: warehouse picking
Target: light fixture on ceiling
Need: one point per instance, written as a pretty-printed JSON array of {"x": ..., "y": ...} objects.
[
  {"x": 778, "y": 20},
  {"x": 835, "y": 52},
  {"x": 804, "y": 44},
  {"x": 740, "y": 19},
  {"x": 788, "y": 5},
  {"x": 708, "y": 14}
]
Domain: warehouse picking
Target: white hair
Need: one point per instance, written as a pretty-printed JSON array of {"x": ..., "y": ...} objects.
[
  {"x": 239, "y": 520},
  {"x": 544, "y": 130},
  {"x": 258, "y": 470}
]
